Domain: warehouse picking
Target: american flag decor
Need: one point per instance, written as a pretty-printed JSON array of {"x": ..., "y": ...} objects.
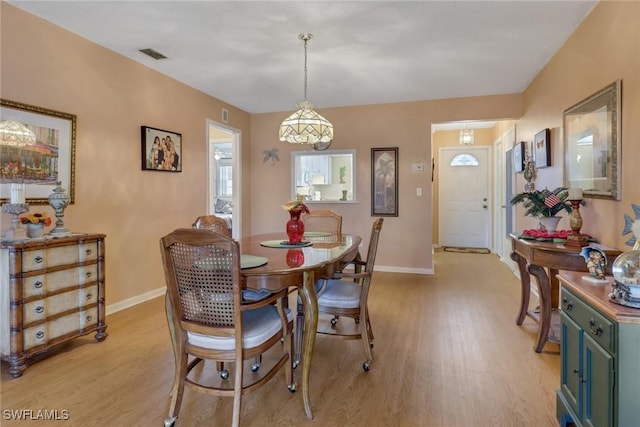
[{"x": 551, "y": 200}]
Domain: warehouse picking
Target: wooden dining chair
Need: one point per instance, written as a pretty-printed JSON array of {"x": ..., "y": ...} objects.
[
  {"x": 346, "y": 295},
  {"x": 212, "y": 222},
  {"x": 209, "y": 322},
  {"x": 323, "y": 220},
  {"x": 220, "y": 225},
  {"x": 315, "y": 221}
]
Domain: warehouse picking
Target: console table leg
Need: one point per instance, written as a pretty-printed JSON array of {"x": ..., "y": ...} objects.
[
  {"x": 525, "y": 284},
  {"x": 544, "y": 291}
]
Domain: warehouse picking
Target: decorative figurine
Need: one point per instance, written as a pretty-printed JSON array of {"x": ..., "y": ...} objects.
[{"x": 596, "y": 260}]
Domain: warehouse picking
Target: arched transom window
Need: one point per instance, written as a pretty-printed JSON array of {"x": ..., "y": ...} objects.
[{"x": 464, "y": 159}]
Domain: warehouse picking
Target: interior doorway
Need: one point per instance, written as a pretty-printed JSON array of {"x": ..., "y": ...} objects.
[{"x": 224, "y": 175}]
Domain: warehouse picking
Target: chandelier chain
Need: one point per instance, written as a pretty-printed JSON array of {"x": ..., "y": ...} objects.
[{"x": 306, "y": 38}]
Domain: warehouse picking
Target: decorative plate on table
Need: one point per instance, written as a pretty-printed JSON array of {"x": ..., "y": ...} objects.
[
  {"x": 252, "y": 261},
  {"x": 284, "y": 244},
  {"x": 626, "y": 272}
]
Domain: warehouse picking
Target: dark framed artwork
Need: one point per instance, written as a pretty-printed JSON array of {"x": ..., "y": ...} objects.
[
  {"x": 542, "y": 148},
  {"x": 519, "y": 156},
  {"x": 384, "y": 181},
  {"x": 161, "y": 150},
  {"x": 37, "y": 149}
]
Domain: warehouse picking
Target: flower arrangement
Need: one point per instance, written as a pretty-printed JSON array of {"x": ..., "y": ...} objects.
[
  {"x": 36, "y": 218},
  {"x": 295, "y": 204},
  {"x": 543, "y": 203}
]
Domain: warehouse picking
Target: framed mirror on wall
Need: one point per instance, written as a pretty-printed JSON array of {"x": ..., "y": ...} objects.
[
  {"x": 592, "y": 144},
  {"x": 323, "y": 176}
]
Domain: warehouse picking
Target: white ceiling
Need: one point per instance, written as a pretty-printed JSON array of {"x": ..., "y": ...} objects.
[{"x": 363, "y": 52}]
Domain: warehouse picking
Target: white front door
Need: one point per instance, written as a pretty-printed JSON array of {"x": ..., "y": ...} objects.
[{"x": 464, "y": 198}]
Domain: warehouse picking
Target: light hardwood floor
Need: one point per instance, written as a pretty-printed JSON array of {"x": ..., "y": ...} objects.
[{"x": 447, "y": 353}]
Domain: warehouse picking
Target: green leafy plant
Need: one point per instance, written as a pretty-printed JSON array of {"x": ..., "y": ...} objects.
[{"x": 543, "y": 202}]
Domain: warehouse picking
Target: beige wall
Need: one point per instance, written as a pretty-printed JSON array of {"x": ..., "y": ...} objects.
[
  {"x": 605, "y": 47},
  {"x": 112, "y": 97},
  {"x": 405, "y": 242}
]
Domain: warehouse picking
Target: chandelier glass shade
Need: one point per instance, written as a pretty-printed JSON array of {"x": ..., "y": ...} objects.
[
  {"x": 306, "y": 126},
  {"x": 15, "y": 133},
  {"x": 466, "y": 137}
]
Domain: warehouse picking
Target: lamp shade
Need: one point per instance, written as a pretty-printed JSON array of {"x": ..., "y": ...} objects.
[{"x": 305, "y": 126}]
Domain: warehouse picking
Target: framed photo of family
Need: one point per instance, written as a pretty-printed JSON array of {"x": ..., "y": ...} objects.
[
  {"x": 161, "y": 150},
  {"x": 37, "y": 150},
  {"x": 384, "y": 181}
]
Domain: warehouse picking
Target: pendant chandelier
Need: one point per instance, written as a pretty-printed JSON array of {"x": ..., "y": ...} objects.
[
  {"x": 305, "y": 126},
  {"x": 466, "y": 136}
]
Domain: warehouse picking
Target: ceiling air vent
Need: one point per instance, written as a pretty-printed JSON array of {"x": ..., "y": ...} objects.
[{"x": 153, "y": 53}]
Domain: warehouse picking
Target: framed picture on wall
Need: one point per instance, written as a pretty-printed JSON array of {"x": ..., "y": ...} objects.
[
  {"x": 161, "y": 150},
  {"x": 519, "y": 156},
  {"x": 542, "y": 148},
  {"x": 37, "y": 150},
  {"x": 384, "y": 181}
]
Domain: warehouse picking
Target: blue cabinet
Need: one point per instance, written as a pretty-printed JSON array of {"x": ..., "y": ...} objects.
[{"x": 600, "y": 357}]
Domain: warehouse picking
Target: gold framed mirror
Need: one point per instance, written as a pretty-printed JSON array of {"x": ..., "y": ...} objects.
[{"x": 592, "y": 144}]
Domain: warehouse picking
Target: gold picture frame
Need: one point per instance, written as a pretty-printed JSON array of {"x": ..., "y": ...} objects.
[
  {"x": 592, "y": 144},
  {"x": 46, "y": 157}
]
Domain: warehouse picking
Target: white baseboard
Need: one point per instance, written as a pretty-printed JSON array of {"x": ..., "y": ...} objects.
[
  {"x": 391, "y": 269},
  {"x": 118, "y": 306},
  {"x": 138, "y": 299}
]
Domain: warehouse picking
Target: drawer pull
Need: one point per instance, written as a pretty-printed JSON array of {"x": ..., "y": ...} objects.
[
  {"x": 38, "y": 260},
  {"x": 88, "y": 252},
  {"x": 89, "y": 318},
  {"x": 37, "y": 284},
  {"x": 88, "y": 274},
  {"x": 566, "y": 305},
  {"x": 39, "y": 335},
  {"x": 89, "y": 296},
  {"x": 39, "y": 309},
  {"x": 592, "y": 327}
]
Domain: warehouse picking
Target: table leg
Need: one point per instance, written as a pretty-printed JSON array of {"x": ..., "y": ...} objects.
[
  {"x": 544, "y": 291},
  {"x": 525, "y": 286},
  {"x": 310, "y": 303}
]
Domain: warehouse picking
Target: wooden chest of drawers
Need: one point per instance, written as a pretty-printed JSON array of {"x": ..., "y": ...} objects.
[{"x": 51, "y": 291}]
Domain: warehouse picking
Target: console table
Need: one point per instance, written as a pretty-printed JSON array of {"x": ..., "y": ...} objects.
[
  {"x": 533, "y": 259},
  {"x": 51, "y": 291}
]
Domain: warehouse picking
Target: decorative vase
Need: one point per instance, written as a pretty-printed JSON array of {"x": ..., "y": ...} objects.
[
  {"x": 295, "y": 257},
  {"x": 35, "y": 230},
  {"x": 295, "y": 226},
  {"x": 59, "y": 200},
  {"x": 549, "y": 223}
]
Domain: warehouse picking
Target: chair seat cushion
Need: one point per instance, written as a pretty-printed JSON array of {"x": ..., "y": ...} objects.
[
  {"x": 258, "y": 326},
  {"x": 340, "y": 294},
  {"x": 252, "y": 295}
]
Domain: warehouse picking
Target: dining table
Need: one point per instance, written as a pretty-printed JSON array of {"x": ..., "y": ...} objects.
[{"x": 284, "y": 265}]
